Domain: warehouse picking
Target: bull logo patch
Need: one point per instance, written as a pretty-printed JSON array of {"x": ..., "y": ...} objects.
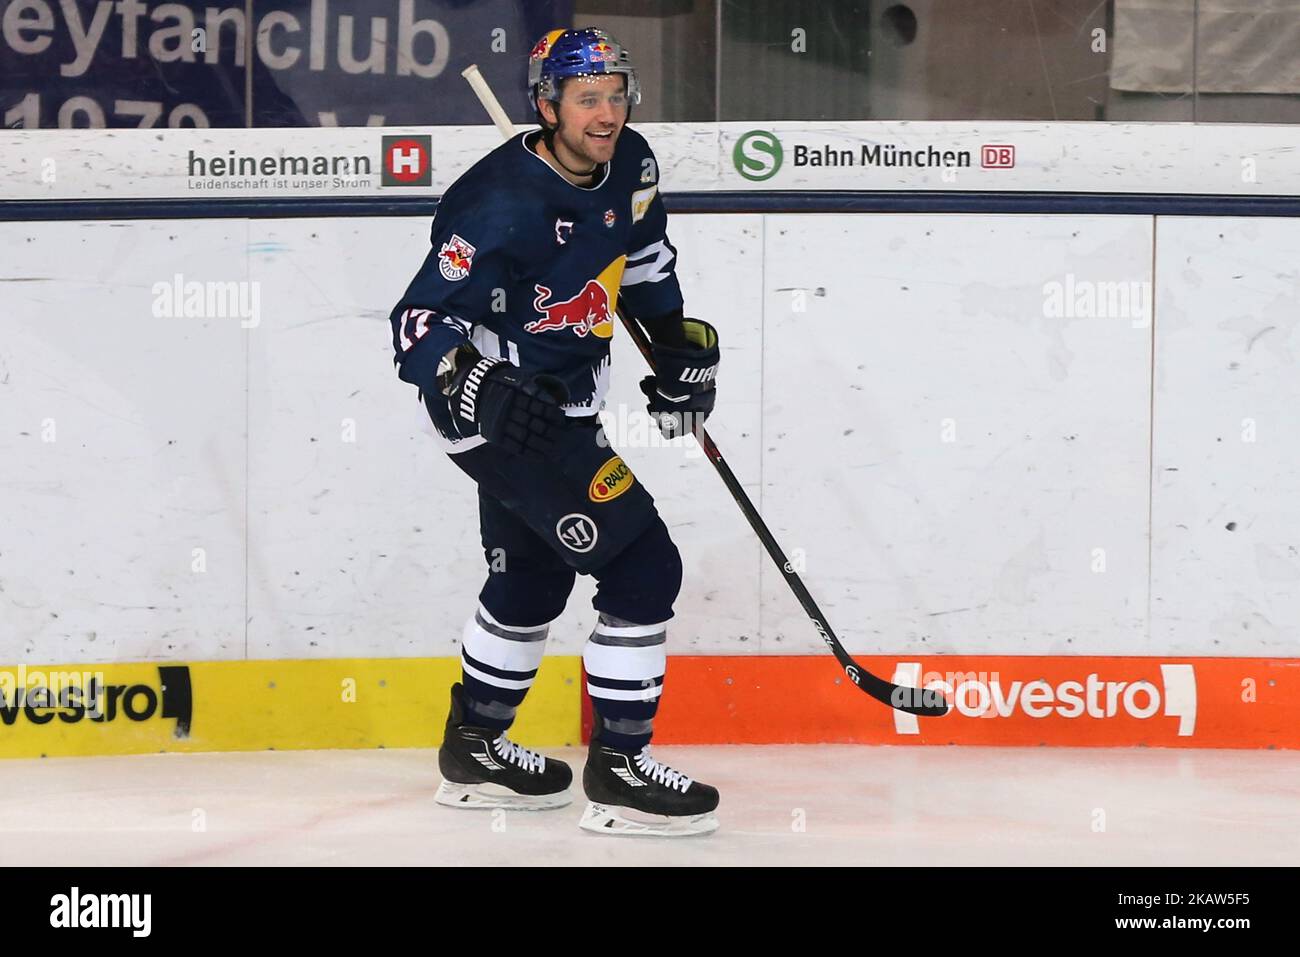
[
  {"x": 590, "y": 311},
  {"x": 455, "y": 258}
]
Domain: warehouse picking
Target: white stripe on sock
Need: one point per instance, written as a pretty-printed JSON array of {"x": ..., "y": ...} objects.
[
  {"x": 650, "y": 693},
  {"x": 624, "y": 664},
  {"x": 490, "y": 649}
]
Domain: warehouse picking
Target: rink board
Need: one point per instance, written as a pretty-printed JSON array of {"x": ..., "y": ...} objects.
[
  {"x": 330, "y": 163},
  {"x": 401, "y": 703},
  {"x": 968, "y": 476},
  {"x": 257, "y": 705},
  {"x": 1003, "y": 453},
  {"x": 1008, "y": 701}
]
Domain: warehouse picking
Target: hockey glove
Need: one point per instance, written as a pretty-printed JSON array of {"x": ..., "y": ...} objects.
[
  {"x": 517, "y": 411},
  {"x": 681, "y": 392}
]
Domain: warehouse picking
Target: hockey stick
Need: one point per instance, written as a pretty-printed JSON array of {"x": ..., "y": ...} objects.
[{"x": 928, "y": 704}]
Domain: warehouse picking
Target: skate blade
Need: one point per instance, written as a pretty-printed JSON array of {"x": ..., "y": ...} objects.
[
  {"x": 605, "y": 819},
  {"x": 485, "y": 796}
]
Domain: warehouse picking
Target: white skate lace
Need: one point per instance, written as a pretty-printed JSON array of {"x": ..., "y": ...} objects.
[
  {"x": 662, "y": 773},
  {"x": 530, "y": 761}
]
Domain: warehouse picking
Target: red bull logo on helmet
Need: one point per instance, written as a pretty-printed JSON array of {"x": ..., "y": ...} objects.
[
  {"x": 543, "y": 46},
  {"x": 601, "y": 52}
]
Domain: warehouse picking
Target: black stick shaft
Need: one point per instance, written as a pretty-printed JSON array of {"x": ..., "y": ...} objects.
[{"x": 910, "y": 700}]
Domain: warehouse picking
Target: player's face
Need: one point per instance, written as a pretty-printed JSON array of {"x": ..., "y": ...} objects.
[{"x": 592, "y": 111}]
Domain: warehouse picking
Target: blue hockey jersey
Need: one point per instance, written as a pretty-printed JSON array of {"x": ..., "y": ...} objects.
[{"x": 527, "y": 266}]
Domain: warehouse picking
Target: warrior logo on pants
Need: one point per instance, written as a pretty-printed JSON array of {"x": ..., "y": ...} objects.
[{"x": 577, "y": 532}]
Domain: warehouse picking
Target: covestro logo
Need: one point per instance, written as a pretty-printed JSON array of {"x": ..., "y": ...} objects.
[
  {"x": 32, "y": 698},
  {"x": 1016, "y": 695}
]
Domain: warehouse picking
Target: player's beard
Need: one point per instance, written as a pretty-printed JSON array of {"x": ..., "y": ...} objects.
[{"x": 580, "y": 151}]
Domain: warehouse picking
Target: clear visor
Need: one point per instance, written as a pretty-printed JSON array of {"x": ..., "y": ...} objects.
[
  {"x": 585, "y": 95},
  {"x": 582, "y": 90}
]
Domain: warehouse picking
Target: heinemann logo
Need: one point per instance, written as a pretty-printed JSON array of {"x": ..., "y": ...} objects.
[
  {"x": 278, "y": 164},
  {"x": 266, "y": 171},
  {"x": 39, "y": 697}
]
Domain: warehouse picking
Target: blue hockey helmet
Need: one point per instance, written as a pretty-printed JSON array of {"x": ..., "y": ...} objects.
[{"x": 568, "y": 53}]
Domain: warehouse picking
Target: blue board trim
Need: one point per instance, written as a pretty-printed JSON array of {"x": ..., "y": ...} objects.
[{"x": 822, "y": 201}]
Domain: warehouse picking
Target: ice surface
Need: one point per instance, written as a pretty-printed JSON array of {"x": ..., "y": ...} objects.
[{"x": 823, "y": 804}]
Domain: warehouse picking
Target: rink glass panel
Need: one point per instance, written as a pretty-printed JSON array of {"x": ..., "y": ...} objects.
[{"x": 398, "y": 62}]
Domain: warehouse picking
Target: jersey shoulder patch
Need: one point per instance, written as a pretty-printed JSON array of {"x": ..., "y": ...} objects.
[{"x": 455, "y": 258}]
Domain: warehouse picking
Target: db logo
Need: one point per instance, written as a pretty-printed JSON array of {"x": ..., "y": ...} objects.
[
  {"x": 997, "y": 156},
  {"x": 407, "y": 161}
]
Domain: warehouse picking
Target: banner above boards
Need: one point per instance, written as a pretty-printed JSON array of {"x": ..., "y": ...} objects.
[
  {"x": 273, "y": 63},
  {"x": 201, "y": 164}
]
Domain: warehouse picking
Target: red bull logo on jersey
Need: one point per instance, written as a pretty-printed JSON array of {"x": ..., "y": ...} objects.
[
  {"x": 590, "y": 312},
  {"x": 587, "y": 312},
  {"x": 455, "y": 258}
]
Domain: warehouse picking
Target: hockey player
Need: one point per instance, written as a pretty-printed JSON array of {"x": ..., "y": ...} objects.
[{"x": 505, "y": 330}]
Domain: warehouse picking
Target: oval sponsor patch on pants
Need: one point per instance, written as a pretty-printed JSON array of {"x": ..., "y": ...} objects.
[{"x": 611, "y": 480}]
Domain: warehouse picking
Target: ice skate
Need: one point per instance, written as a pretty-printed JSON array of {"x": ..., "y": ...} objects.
[
  {"x": 482, "y": 768},
  {"x": 633, "y": 794}
]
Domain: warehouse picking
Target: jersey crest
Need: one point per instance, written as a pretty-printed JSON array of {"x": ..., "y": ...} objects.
[
  {"x": 590, "y": 312},
  {"x": 455, "y": 258}
]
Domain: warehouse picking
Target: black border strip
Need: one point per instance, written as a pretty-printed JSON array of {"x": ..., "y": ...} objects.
[
  {"x": 741, "y": 201},
  {"x": 923, "y": 201}
]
